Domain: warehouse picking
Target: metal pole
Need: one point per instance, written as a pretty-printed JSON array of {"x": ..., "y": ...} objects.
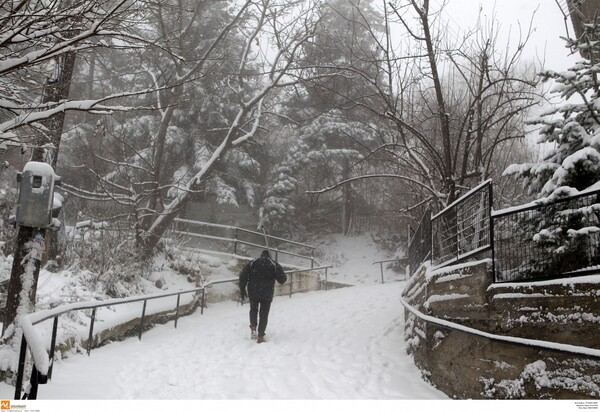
[
  {"x": 53, "y": 346},
  {"x": 177, "y": 310},
  {"x": 33, "y": 384},
  {"x": 381, "y": 268},
  {"x": 89, "y": 348},
  {"x": 456, "y": 234},
  {"x": 202, "y": 301},
  {"x": 291, "y": 282},
  {"x": 235, "y": 242},
  {"x": 492, "y": 242},
  {"x": 325, "y": 279},
  {"x": 142, "y": 321},
  {"x": 21, "y": 368}
]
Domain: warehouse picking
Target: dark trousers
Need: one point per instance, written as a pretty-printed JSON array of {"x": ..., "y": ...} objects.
[{"x": 260, "y": 309}]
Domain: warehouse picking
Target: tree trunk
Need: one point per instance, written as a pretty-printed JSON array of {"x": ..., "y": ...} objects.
[
  {"x": 25, "y": 271},
  {"x": 448, "y": 180},
  {"x": 346, "y": 199},
  {"x": 23, "y": 278}
]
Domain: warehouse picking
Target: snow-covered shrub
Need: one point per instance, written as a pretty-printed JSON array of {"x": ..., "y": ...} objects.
[{"x": 108, "y": 251}]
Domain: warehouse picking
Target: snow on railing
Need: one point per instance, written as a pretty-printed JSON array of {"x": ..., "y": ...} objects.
[
  {"x": 235, "y": 240},
  {"x": 42, "y": 361},
  {"x": 562, "y": 347}
]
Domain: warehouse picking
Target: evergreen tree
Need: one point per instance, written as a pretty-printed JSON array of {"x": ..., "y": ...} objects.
[
  {"x": 565, "y": 235},
  {"x": 325, "y": 151},
  {"x": 572, "y": 127}
]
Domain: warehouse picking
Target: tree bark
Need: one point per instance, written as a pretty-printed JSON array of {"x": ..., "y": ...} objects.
[{"x": 55, "y": 90}]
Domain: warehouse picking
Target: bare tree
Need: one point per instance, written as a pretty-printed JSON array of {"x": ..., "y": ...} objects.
[
  {"x": 40, "y": 41},
  {"x": 37, "y": 39},
  {"x": 452, "y": 102},
  {"x": 238, "y": 66}
]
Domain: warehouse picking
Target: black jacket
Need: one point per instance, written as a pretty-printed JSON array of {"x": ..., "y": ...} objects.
[{"x": 260, "y": 276}]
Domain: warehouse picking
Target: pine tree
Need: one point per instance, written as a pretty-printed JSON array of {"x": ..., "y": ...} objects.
[
  {"x": 565, "y": 235},
  {"x": 572, "y": 127},
  {"x": 325, "y": 152}
]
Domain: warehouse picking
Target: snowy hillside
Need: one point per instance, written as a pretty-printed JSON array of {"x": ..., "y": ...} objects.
[{"x": 352, "y": 259}]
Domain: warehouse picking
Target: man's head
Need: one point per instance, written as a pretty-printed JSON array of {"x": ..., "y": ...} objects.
[{"x": 265, "y": 253}]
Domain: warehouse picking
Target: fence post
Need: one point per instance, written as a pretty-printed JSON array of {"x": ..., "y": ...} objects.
[
  {"x": 291, "y": 283},
  {"x": 177, "y": 310},
  {"x": 33, "y": 383},
  {"x": 457, "y": 233},
  {"x": 492, "y": 243},
  {"x": 21, "y": 368},
  {"x": 381, "y": 268},
  {"x": 325, "y": 279},
  {"x": 430, "y": 209},
  {"x": 142, "y": 321},
  {"x": 91, "y": 334},
  {"x": 235, "y": 241},
  {"x": 52, "y": 346}
]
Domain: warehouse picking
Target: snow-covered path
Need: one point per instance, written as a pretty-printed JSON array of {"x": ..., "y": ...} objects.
[{"x": 340, "y": 344}]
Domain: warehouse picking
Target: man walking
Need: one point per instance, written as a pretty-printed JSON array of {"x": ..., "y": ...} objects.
[{"x": 260, "y": 276}]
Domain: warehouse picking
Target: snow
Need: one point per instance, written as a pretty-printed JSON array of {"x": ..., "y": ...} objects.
[
  {"x": 350, "y": 348},
  {"x": 444, "y": 298},
  {"x": 344, "y": 343},
  {"x": 581, "y": 350},
  {"x": 341, "y": 344},
  {"x": 352, "y": 259}
]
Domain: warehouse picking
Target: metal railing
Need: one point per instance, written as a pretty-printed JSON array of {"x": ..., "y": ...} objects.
[
  {"x": 232, "y": 235},
  {"x": 292, "y": 272},
  {"x": 419, "y": 247},
  {"x": 548, "y": 240},
  {"x": 463, "y": 228},
  {"x": 381, "y": 262},
  {"x": 513, "y": 340},
  {"x": 541, "y": 240},
  {"x": 43, "y": 362}
]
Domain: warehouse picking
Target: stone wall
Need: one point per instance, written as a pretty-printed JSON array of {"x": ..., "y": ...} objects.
[{"x": 469, "y": 365}]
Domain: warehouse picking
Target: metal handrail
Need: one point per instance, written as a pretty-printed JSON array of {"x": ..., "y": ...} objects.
[
  {"x": 235, "y": 240},
  {"x": 562, "y": 347},
  {"x": 196, "y": 222},
  {"x": 291, "y": 273},
  {"x": 43, "y": 362},
  {"x": 381, "y": 262},
  {"x": 243, "y": 242}
]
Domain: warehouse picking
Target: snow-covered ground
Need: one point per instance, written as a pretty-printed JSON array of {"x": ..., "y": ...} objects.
[
  {"x": 340, "y": 344},
  {"x": 343, "y": 344},
  {"x": 352, "y": 259}
]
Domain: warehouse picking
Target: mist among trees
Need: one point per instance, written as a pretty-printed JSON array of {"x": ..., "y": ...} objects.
[{"x": 304, "y": 114}]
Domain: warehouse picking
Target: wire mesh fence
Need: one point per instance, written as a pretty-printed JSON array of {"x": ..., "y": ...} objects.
[
  {"x": 419, "y": 248},
  {"x": 550, "y": 240},
  {"x": 463, "y": 228}
]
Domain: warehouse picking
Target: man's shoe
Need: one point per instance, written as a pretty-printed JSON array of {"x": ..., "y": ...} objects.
[
  {"x": 252, "y": 332},
  {"x": 261, "y": 339}
]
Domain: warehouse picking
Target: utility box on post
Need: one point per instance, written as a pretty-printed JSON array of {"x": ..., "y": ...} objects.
[{"x": 36, "y": 194}]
